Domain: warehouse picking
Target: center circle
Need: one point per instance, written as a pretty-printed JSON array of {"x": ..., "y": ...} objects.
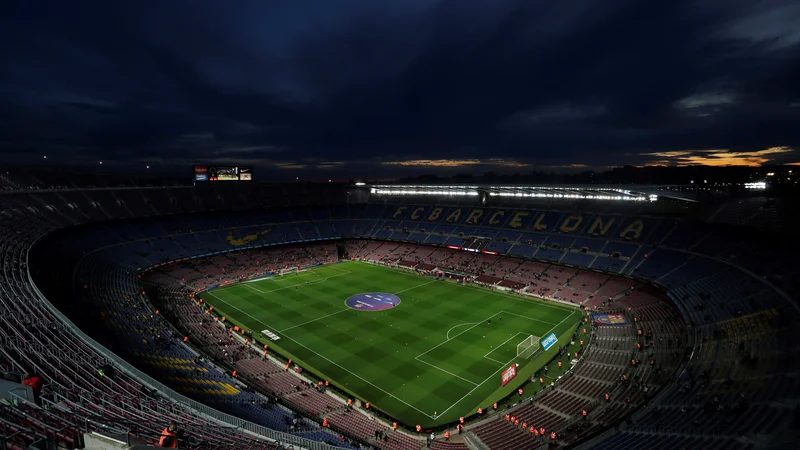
[{"x": 372, "y": 301}]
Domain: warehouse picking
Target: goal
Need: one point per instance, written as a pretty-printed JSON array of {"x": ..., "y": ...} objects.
[
  {"x": 289, "y": 271},
  {"x": 528, "y": 347}
]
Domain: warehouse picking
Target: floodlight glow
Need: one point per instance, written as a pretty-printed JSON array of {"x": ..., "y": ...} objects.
[
  {"x": 459, "y": 193},
  {"x": 518, "y": 192},
  {"x": 628, "y": 197}
]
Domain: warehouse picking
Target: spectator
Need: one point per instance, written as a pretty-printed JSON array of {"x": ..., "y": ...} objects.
[
  {"x": 33, "y": 380},
  {"x": 169, "y": 437}
]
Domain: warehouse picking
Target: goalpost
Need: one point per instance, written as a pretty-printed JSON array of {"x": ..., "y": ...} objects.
[
  {"x": 295, "y": 270},
  {"x": 528, "y": 347}
]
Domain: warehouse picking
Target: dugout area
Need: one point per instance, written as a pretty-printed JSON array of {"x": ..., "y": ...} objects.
[{"x": 427, "y": 359}]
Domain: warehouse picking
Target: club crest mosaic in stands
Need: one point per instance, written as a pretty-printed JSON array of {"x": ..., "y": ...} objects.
[
  {"x": 610, "y": 319},
  {"x": 373, "y": 301},
  {"x": 631, "y": 228}
]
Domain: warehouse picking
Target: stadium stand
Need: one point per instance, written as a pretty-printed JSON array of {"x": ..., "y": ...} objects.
[{"x": 705, "y": 359}]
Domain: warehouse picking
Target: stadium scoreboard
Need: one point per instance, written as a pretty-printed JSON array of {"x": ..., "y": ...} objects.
[{"x": 222, "y": 173}]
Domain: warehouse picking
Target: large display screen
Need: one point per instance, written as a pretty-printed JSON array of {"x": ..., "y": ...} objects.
[
  {"x": 245, "y": 173},
  {"x": 222, "y": 173}
]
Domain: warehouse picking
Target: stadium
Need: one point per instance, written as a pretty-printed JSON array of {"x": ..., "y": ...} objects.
[{"x": 357, "y": 315}]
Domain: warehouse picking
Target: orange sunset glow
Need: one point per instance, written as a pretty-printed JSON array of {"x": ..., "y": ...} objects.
[
  {"x": 454, "y": 163},
  {"x": 718, "y": 157}
]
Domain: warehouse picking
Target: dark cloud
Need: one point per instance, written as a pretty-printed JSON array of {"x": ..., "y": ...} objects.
[{"x": 340, "y": 86}]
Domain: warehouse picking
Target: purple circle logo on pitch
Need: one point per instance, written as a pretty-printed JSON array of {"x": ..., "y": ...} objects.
[{"x": 373, "y": 301}]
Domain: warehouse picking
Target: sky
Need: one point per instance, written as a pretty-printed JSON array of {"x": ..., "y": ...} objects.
[{"x": 339, "y": 88}]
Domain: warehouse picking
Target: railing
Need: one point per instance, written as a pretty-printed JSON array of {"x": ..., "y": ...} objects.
[
  {"x": 39, "y": 439},
  {"x": 91, "y": 189},
  {"x": 235, "y": 422},
  {"x": 7, "y": 438},
  {"x": 122, "y": 428},
  {"x": 14, "y": 395},
  {"x": 665, "y": 430}
]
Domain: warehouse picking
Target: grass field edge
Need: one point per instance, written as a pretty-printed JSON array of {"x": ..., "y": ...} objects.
[{"x": 311, "y": 371}]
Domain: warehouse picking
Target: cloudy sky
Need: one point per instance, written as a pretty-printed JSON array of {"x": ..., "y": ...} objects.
[{"x": 334, "y": 88}]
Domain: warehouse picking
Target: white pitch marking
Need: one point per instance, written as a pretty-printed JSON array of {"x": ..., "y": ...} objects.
[
  {"x": 414, "y": 287},
  {"x": 529, "y": 318},
  {"x": 447, "y": 372},
  {"x": 459, "y": 334},
  {"x": 504, "y": 343},
  {"x": 503, "y": 294},
  {"x": 501, "y": 368},
  {"x": 492, "y": 359},
  {"x": 332, "y": 362},
  {"x": 247, "y": 285},
  {"x": 314, "y": 320},
  {"x": 456, "y": 326}
]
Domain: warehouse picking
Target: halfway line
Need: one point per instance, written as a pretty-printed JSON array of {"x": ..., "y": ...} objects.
[{"x": 414, "y": 287}]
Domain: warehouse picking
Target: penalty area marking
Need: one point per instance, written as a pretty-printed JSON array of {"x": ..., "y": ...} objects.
[
  {"x": 461, "y": 324},
  {"x": 307, "y": 283},
  {"x": 251, "y": 287},
  {"x": 447, "y": 372},
  {"x": 457, "y": 335},
  {"x": 303, "y": 273},
  {"x": 492, "y": 359},
  {"x": 494, "y": 349},
  {"x": 529, "y": 318},
  {"x": 333, "y": 267},
  {"x": 503, "y": 367}
]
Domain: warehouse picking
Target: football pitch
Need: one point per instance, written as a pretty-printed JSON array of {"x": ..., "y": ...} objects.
[{"x": 420, "y": 350}]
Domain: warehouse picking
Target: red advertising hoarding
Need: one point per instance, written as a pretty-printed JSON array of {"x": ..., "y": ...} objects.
[{"x": 509, "y": 374}]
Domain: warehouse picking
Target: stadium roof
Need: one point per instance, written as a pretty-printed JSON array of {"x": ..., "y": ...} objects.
[{"x": 590, "y": 192}]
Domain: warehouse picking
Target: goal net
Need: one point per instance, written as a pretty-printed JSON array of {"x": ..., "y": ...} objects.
[
  {"x": 289, "y": 271},
  {"x": 528, "y": 347}
]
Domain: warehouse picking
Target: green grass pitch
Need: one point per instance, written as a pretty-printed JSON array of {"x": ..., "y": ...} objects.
[{"x": 427, "y": 361}]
